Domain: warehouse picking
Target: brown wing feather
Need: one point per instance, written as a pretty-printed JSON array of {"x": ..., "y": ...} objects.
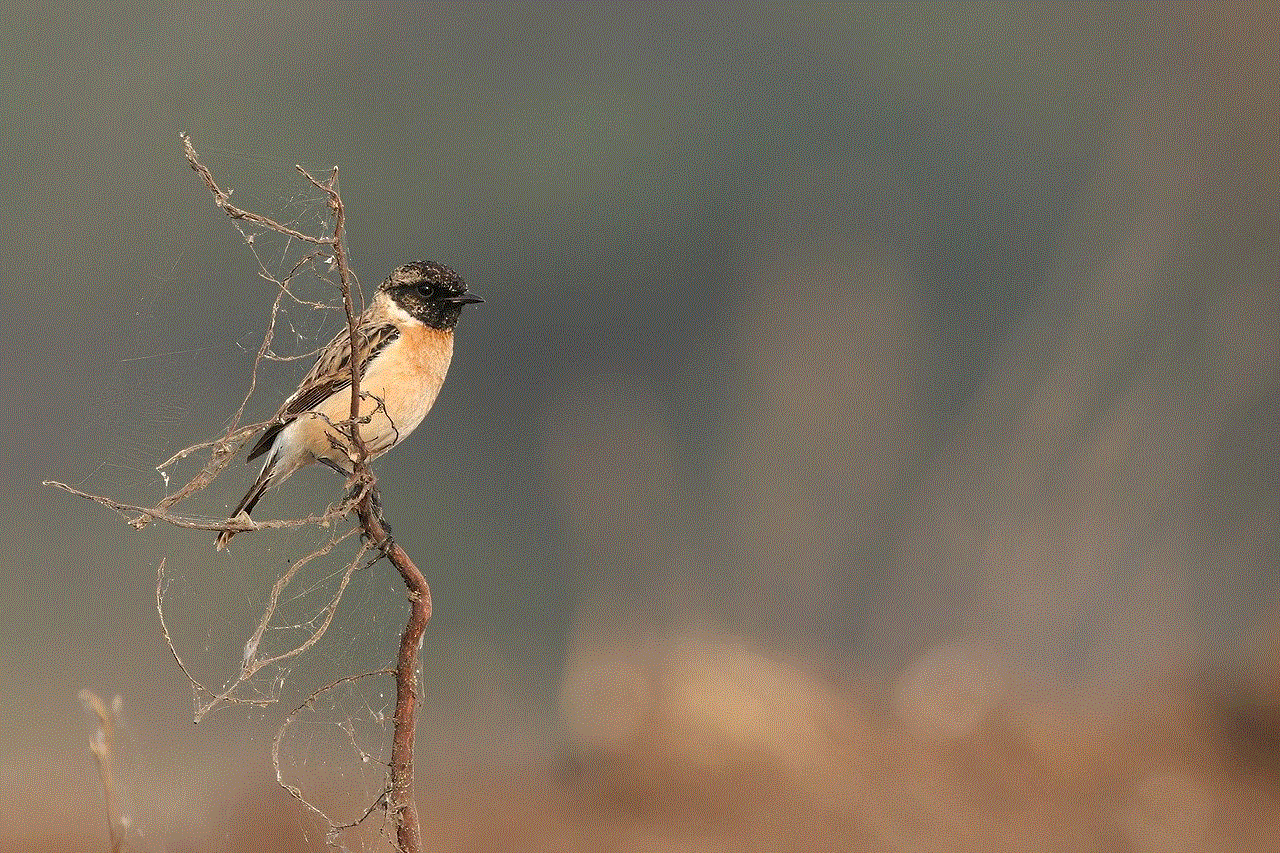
[{"x": 330, "y": 374}]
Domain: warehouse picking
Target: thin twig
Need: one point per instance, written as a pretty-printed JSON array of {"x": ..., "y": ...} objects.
[
  {"x": 223, "y": 199},
  {"x": 399, "y": 794},
  {"x": 295, "y": 790},
  {"x": 252, "y": 663},
  {"x": 196, "y": 687},
  {"x": 237, "y": 524}
]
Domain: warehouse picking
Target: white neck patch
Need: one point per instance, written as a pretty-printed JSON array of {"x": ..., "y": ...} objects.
[{"x": 399, "y": 316}]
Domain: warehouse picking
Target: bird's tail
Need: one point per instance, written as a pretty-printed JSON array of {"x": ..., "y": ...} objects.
[{"x": 251, "y": 498}]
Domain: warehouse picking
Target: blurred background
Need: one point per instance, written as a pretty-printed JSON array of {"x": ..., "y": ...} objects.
[{"x": 868, "y": 441}]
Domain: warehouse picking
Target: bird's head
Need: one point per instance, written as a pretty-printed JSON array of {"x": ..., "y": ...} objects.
[{"x": 429, "y": 292}]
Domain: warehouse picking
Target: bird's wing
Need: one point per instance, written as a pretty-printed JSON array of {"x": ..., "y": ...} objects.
[{"x": 331, "y": 373}]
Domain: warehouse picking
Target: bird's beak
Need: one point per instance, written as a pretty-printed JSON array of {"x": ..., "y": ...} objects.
[{"x": 463, "y": 299}]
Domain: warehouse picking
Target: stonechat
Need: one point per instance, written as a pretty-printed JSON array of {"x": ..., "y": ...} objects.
[{"x": 404, "y": 343}]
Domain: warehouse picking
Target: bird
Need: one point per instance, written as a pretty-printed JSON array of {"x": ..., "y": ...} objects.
[{"x": 404, "y": 343}]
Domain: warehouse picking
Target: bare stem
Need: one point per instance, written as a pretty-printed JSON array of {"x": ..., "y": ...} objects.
[
  {"x": 399, "y": 794},
  {"x": 400, "y": 797}
]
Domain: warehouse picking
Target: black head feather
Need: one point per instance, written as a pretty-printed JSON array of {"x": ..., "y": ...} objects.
[{"x": 430, "y": 292}]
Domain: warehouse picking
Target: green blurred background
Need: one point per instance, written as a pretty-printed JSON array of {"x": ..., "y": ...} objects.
[{"x": 838, "y": 333}]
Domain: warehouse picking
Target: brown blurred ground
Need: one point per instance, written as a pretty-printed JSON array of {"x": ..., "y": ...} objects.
[{"x": 703, "y": 743}]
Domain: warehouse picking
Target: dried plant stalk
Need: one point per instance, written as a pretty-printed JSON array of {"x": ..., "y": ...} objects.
[
  {"x": 103, "y": 747},
  {"x": 398, "y": 798}
]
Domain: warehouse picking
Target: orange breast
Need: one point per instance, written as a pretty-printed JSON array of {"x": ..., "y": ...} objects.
[{"x": 398, "y": 389}]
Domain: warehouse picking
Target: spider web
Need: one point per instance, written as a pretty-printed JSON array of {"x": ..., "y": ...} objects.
[
  {"x": 288, "y": 609},
  {"x": 158, "y": 397},
  {"x": 333, "y": 753}
]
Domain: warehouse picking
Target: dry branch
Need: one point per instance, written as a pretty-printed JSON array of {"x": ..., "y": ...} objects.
[
  {"x": 398, "y": 797},
  {"x": 223, "y": 200}
]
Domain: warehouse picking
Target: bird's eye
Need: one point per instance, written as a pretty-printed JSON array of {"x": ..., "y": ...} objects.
[{"x": 427, "y": 289}]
